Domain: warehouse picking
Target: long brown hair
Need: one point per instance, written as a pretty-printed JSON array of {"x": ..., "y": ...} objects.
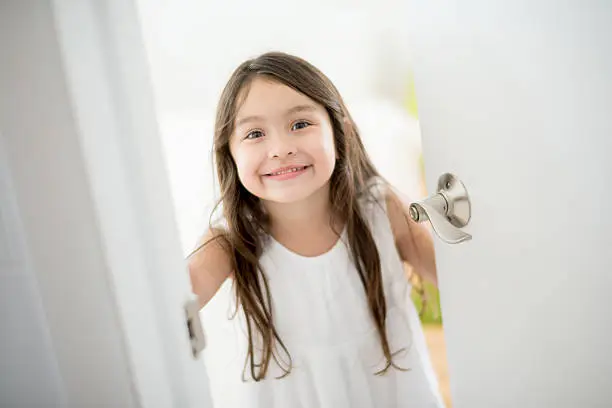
[{"x": 247, "y": 223}]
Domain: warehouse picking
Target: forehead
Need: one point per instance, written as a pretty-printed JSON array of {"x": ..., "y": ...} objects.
[{"x": 266, "y": 97}]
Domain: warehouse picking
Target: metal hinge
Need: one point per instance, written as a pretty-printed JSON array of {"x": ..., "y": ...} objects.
[{"x": 194, "y": 327}]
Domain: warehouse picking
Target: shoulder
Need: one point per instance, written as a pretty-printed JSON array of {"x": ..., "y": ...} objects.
[
  {"x": 379, "y": 196},
  {"x": 210, "y": 264},
  {"x": 398, "y": 216}
]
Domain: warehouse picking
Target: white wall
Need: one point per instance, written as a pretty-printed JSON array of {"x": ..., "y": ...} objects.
[{"x": 194, "y": 46}]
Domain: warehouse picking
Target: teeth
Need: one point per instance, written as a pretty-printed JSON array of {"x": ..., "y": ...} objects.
[{"x": 293, "y": 170}]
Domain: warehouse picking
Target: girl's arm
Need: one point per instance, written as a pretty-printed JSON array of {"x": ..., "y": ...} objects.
[
  {"x": 209, "y": 267},
  {"x": 413, "y": 241}
]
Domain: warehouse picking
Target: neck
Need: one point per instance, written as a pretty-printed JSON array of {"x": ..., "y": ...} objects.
[{"x": 303, "y": 217}]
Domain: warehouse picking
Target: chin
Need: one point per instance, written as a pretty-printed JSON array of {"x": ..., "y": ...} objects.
[
  {"x": 288, "y": 195},
  {"x": 291, "y": 193}
]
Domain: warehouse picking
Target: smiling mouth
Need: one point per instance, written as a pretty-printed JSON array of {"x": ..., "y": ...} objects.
[{"x": 288, "y": 171}]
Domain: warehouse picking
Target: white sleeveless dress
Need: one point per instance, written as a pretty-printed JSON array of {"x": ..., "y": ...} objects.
[{"x": 320, "y": 313}]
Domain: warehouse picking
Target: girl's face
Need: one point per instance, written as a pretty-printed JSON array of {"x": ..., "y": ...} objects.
[{"x": 283, "y": 143}]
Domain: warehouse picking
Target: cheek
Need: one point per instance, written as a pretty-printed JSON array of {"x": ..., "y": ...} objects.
[
  {"x": 247, "y": 164},
  {"x": 326, "y": 149},
  {"x": 242, "y": 164}
]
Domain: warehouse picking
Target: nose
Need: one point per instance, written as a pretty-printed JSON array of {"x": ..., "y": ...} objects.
[{"x": 282, "y": 146}]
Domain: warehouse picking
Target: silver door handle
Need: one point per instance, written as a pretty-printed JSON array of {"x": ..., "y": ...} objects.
[{"x": 448, "y": 210}]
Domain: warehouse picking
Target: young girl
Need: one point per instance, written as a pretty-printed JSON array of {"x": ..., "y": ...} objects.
[{"x": 305, "y": 300}]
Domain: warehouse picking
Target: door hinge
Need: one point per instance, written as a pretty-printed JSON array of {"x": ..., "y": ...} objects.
[{"x": 194, "y": 326}]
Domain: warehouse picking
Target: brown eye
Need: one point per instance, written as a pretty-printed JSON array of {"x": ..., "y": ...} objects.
[
  {"x": 300, "y": 125},
  {"x": 255, "y": 134}
]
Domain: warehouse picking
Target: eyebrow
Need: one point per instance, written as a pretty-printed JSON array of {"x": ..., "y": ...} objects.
[
  {"x": 295, "y": 109},
  {"x": 301, "y": 108}
]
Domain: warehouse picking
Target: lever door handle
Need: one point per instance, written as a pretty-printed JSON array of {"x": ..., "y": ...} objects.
[{"x": 448, "y": 210}]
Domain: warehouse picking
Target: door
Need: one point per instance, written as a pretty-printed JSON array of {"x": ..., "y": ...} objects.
[
  {"x": 516, "y": 100},
  {"x": 93, "y": 278}
]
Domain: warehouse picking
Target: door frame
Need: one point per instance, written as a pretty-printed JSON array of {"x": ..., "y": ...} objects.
[
  {"x": 94, "y": 75},
  {"x": 109, "y": 80}
]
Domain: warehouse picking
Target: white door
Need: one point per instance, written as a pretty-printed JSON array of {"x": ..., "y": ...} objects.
[{"x": 516, "y": 100}]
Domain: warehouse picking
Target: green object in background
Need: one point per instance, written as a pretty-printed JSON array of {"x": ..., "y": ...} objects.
[
  {"x": 410, "y": 101},
  {"x": 422, "y": 170},
  {"x": 432, "y": 313}
]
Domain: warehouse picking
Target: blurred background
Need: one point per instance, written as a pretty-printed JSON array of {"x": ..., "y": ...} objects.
[{"x": 194, "y": 46}]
